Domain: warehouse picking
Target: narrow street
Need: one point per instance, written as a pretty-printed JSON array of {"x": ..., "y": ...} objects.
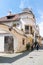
[{"x": 26, "y": 58}]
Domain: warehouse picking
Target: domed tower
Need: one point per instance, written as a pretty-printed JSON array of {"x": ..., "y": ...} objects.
[{"x": 28, "y": 21}]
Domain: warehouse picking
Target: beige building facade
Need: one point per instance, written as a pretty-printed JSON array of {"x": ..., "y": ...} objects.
[{"x": 17, "y": 30}]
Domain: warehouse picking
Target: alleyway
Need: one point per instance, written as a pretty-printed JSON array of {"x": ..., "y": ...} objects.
[{"x": 26, "y": 58}]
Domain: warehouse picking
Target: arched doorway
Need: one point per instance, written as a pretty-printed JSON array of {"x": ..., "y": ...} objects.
[{"x": 8, "y": 44}]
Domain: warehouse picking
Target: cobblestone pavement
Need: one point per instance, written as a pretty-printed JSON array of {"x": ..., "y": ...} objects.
[{"x": 26, "y": 58}]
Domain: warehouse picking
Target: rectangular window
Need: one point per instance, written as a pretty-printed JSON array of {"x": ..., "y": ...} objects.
[
  {"x": 31, "y": 29},
  {"x": 23, "y": 41},
  {"x": 10, "y": 17},
  {"x": 27, "y": 29}
]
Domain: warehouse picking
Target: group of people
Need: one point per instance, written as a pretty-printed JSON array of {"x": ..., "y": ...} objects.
[{"x": 35, "y": 46}]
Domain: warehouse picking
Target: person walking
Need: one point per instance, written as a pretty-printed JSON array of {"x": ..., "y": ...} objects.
[{"x": 37, "y": 46}]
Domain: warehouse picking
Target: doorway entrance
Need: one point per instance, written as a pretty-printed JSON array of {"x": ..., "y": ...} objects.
[{"x": 8, "y": 44}]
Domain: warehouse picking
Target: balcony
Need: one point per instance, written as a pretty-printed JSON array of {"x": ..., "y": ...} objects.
[{"x": 26, "y": 31}]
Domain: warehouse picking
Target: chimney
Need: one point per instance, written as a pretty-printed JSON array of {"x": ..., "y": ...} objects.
[{"x": 9, "y": 13}]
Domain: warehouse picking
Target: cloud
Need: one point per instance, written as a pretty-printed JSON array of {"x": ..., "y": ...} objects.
[
  {"x": 22, "y": 4},
  {"x": 41, "y": 14},
  {"x": 41, "y": 28},
  {"x": 40, "y": 22}
]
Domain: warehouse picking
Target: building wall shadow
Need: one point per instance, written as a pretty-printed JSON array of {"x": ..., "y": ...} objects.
[{"x": 13, "y": 59}]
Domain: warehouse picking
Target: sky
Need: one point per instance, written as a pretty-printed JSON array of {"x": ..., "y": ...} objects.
[{"x": 16, "y": 6}]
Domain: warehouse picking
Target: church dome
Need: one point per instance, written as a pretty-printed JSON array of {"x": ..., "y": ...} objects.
[{"x": 29, "y": 11}]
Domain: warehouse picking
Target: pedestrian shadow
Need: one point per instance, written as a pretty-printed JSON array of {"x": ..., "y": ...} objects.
[{"x": 13, "y": 59}]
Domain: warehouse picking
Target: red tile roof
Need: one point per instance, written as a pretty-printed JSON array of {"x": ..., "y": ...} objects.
[{"x": 9, "y": 18}]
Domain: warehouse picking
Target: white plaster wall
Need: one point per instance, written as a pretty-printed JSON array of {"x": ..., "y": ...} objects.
[
  {"x": 19, "y": 26},
  {"x": 9, "y": 23},
  {"x": 26, "y": 15},
  {"x": 28, "y": 21},
  {"x": 1, "y": 43}
]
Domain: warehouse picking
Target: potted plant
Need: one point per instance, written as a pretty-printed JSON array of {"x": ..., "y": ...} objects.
[{"x": 28, "y": 46}]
